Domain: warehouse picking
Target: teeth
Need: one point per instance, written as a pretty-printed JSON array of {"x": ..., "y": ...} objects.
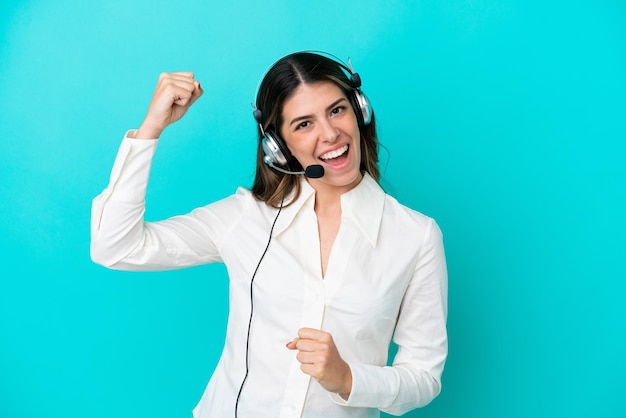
[{"x": 334, "y": 154}]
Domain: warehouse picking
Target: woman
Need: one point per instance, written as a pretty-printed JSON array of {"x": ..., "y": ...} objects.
[{"x": 324, "y": 267}]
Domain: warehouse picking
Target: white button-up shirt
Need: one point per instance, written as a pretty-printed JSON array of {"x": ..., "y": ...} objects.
[{"x": 386, "y": 278}]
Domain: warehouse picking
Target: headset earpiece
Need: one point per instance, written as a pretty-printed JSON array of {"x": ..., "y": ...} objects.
[
  {"x": 275, "y": 150},
  {"x": 359, "y": 100},
  {"x": 362, "y": 107}
]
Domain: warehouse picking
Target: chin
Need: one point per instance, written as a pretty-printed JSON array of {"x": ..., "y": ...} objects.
[{"x": 351, "y": 178}]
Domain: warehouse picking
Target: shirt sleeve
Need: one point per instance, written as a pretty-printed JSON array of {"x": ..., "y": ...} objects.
[
  {"x": 414, "y": 379},
  {"x": 122, "y": 240}
]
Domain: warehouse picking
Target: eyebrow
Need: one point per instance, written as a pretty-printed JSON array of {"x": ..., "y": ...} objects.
[{"x": 300, "y": 118}]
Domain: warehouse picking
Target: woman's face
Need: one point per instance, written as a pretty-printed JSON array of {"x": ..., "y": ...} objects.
[{"x": 319, "y": 127}]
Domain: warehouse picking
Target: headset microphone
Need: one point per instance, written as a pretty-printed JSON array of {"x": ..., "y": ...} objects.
[{"x": 313, "y": 171}]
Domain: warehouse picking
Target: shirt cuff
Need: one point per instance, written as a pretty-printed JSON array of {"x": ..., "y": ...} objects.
[
  {"x": 130, "y": 134},
  {"x": 129, "y": 176},
  {"x": 372, "y": 387}
]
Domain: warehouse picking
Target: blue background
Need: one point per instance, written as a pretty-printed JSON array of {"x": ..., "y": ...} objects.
[{"x": 504, "y": 120}]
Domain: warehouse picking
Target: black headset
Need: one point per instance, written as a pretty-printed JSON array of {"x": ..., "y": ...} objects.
[{"x": 277, "y": 153}]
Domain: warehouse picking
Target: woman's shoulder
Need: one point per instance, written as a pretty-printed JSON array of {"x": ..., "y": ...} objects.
[
  {"x": 238, "y": 204},
  {"x": 393, "y": 203},
  {"x": 242, "y": 198},
  {"x": 407, "y": 217},
  {"x": 373, "y": 203}
]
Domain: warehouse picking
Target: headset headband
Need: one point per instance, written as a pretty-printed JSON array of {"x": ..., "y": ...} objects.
[{"x": 347, "y": 67}]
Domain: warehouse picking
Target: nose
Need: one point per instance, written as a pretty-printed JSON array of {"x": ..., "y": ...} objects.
[{"x": 328, "y": 131}]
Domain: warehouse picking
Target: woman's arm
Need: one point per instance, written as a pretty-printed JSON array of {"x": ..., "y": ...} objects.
[
  {"x": 119, "y": 236},
  {"x": 414, "y": 379}
]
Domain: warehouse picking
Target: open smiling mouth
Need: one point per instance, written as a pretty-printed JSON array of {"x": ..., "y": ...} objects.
[{"x": 335, "y": 157}]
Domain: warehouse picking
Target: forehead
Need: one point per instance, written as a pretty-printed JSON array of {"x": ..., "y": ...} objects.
[{"x": 310, "y": 98}]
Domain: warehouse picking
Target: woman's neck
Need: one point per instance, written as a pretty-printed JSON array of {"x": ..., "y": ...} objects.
[
  {"x": 327, "y": 204},
  {"x": 328, "y": 196}
]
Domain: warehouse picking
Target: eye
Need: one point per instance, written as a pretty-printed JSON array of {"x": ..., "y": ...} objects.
[
  {"x": 337, "y": 110},
  {"x": 302, "y": 125}
]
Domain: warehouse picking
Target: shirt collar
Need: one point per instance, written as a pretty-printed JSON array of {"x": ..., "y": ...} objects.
[{"x": 362, "y": 205}]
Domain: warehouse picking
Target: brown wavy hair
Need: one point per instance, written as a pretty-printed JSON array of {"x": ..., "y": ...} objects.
[{"x": 279, "y": 83}]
